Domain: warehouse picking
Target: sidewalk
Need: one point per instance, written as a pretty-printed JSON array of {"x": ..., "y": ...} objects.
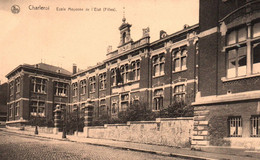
[{"x": 212, "y": 153}]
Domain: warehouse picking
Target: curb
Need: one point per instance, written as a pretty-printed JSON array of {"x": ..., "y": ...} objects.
[{"x": 121, "y": 148}]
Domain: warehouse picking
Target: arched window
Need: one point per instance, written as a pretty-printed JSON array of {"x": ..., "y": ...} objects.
[{"x": 124, "y": 37}]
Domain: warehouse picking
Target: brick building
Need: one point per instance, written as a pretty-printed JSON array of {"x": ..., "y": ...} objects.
[
  {"x": 227, "y": 108},
  {"x": 155, "y": 73},
  {"x": 35, "y": 90}
]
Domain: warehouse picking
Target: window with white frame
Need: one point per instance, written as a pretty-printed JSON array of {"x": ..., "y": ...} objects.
[
  {"x": 113, "y": 76},
  {"x": 38, "y": 85},
  {"x": 17, "y": 85},
  {"x": 92, "y": 83},
  {"x": 60, "y": 88},
  {"x": 158, "y": 99},
  {"x": 103, "y": 81},
  {"x": 242, "y": 43},
  {"x": 136, "y": 70},
  {"x": 179, "y": 93},
  {"x": 11, "y": 86},
  {"x": 37, "y": 108},
  {"x": 255, "y": 126},
  {"x": 158, "y": 64},
  {"x": 124, "y": 73},
  {"x": 124, "y": 102},
  {"x": 75, "y": 89},
  {"x": 179, "y": 60},
  {"x": 235, "y": 126},
  {"x": 17, "y": 107},
  {"x": 83, "y": 85}
]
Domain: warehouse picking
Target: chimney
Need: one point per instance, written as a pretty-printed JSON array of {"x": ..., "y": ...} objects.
[{"x": 74, "y": 69}]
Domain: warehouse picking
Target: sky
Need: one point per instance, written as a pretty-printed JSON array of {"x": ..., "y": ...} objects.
[{"x": 62, "y": 38}]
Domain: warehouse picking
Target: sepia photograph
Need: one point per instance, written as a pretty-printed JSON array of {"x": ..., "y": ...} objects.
[{"x": 119, "y": 79}]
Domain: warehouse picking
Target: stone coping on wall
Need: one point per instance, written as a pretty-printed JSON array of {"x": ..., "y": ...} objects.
[{"x": 16, "y": 121}]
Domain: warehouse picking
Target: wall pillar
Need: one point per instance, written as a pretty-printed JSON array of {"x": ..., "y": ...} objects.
[{"x": 57, "y": 120}]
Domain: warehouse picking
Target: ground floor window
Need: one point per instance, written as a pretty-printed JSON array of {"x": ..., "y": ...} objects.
[
  {"x": 17, "y": 106},
  {"x": 235, "y": 126},
  {"x": 255, "y": 126},
  {"x": 37, "y": 108},
  {"x": 158, "y": 99}
]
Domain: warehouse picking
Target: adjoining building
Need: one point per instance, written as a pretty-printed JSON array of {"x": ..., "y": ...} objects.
[
  {"x": 3, "y": 101},
  {"x": 155, "y": 73},
  {"x": 227, "y": 106}
]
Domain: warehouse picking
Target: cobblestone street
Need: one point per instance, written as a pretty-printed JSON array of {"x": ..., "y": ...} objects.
[{"x": 16, "y": 146}]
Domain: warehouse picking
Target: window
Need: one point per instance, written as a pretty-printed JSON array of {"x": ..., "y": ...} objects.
[
  {"x": 136, "y": 70},
  {"x": 102, "y": 81},
  {"x": 75, "y": 89},
  {"x": 37, "y": 108},
  {"x": 17, "y": 85},
  {"x": 124, "y": 37},
  {"x": 102, "y": 106},
  {"x": 92, "y": 83},
  {"x": 179, "y": 60},
  {"x": 124, "y": 73},
  {"x": 158, "y": 99},
  {"x": 242, "y": 43},
  {"x": 11, "y": 85},
  {"x": 124, "y": 102},
  {"x": 60, "y": 88},
  {"x": 255, "y": 126},
  {"x": 158, "y": 65},
  {"x": 38, "y": 85},
  {"x": 179, "y": 93},
  {"x": 235, "y": 126},
  {"x": 113, "y": 76},
  {"x": 114, "y": 108},
  {"x": 11, "y": 110},
  {"x": 83, "y": 85},
  {"x": 17, "y": 106}
]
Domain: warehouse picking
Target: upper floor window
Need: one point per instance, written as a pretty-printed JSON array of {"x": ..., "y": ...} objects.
[
  {"x": 113, "y": 76},
  {"x": 92, "y": 83},
  {"x": 179, "y": 60},
  {"x": 136, "y": 70},
  {"x": 242, "y": 43},
  {"x": 124, "y": 73},
  {"x": 39, "y": 85},
  {"x": 75, "y": 89},
  {"x": 103, "y": 81},
  {"x": 235, "y": 126},
  {"x": 11, "y": 87},
  {"x": 158, "y": 99},
  {"x": 158, "y": 65},
  {"x": 17, "y": 85},
  {"x": 83, "y": 85},
  {"x": 179, "y": 93},
  {"x": 60, "y": 88}
]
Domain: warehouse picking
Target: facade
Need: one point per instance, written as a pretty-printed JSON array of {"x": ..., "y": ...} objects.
[
  {"x": 155, "y": 74},
  {"x": 34, "y": 91},
  {"x": 227, "y": 108}
]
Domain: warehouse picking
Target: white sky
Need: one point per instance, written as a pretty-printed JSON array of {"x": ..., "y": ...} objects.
[{"x": 63, "y": 38}]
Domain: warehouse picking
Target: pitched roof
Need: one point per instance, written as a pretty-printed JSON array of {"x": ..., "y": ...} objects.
[{"x": 52, "y": 68}]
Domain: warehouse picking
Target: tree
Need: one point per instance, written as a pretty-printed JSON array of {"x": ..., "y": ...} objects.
[{"x": 177, "y": 109}]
